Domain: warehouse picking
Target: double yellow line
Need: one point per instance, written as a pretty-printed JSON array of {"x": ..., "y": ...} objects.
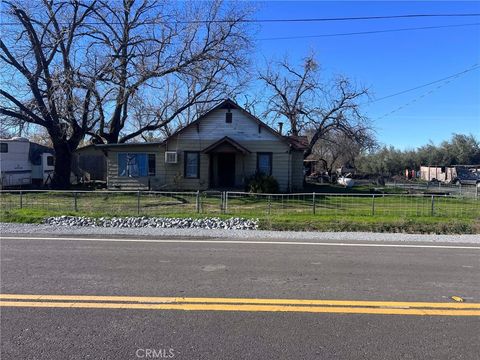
[{"x": 240, "y": 304}]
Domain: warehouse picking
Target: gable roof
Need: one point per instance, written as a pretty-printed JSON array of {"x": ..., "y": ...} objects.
[
  {"x": 229, "y": 141},
  {"x": 295, "y": 142},
  {"x": 229, "y": 103}
]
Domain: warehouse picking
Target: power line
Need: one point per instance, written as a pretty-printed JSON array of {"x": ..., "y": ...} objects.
[
  {"x": 405, "y": 16},
  {"x": 367, "y": 32},
  {"x": 472, "y": 68},
  {"x": 364, "y": 18},
  {"x": 449, "y": 80}
]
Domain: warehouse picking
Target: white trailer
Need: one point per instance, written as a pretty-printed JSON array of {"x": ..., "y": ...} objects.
[{"x": 23, "y": 163}]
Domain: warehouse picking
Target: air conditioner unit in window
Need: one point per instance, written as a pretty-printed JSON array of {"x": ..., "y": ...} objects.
[{"x": 171, "y": 157}]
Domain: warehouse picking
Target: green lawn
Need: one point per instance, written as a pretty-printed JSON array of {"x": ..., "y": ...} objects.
[
  {"x": 339, "y": 212},
  {"x": 413, "y": 225},
  {"x": 357, "y": 189}
]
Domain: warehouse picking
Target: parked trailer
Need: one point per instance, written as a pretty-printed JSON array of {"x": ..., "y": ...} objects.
[{"x": 23, "y": 163}]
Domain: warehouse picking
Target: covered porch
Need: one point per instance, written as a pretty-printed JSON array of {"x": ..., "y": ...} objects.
[{"x": 226, "y": 164}]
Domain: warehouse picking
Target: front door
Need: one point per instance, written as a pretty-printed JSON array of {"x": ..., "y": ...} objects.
[{"x": 226, "y": 170}]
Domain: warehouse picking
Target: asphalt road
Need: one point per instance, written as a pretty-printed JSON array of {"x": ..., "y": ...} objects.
[{"x": 226, "y": 270}]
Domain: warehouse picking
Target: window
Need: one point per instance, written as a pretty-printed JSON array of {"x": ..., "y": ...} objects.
[
  {"x": 3, "y": 148},
  {"x": 151, "y": 165},
  {"x": 264, "y": 163},
  {"x": 192, "y": 165},
  {"x": 50, "y": 161},
  {"x": 228, "y": 117},
  {"x": 136, "y": 164}
]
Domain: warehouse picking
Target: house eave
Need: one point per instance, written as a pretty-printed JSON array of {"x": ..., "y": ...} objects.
[{"x": 226, "y": 140}]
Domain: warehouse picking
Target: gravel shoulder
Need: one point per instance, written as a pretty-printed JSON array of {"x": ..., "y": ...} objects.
[{"x": 7, "y": 229}]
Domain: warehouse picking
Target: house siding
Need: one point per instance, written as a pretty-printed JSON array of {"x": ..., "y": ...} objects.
[
  {"x": 135, "y": 183},
  {"x": 245, "y": 165},
  {"x": 214, "y": 127},
  {"x": 297, "y": 170},
  {"x": 242, "y": 130}
]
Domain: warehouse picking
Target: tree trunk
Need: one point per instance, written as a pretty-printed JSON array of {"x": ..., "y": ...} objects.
[
  {"x": 307, "y": 151},
  {"x": 63, "y": 165},
  {"x": 318, "y": 134}
]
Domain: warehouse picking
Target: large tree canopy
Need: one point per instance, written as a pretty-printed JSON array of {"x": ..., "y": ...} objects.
[{"x": 116, "y": 70}]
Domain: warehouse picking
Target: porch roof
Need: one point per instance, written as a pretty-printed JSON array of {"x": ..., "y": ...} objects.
[{"x": 228, "y": 141}]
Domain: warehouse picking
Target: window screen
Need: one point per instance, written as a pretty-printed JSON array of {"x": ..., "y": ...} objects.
[
  {"x": 192, "y": 165},
  {"x": 4, "y": 147},
  {"x": 50, "y": 161}
]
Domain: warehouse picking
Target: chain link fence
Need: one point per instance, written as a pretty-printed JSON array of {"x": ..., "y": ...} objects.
[{"x": 151, "y": 203}]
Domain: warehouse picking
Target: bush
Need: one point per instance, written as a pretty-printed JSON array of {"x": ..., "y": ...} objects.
[{"x": 260, "y": 183}]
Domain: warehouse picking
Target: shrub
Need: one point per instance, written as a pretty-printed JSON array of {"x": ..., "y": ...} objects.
[{"x": 260, "y": 183}]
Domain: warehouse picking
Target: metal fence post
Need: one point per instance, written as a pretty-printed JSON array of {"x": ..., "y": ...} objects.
[
  {"x": 138, "y": 202},
  {"x": 269, "y": 204},
  {"x": 373, "y": 204},
  {"x": 75, "y": 205},
  {"x": 476, "y": 191},
  {"x": 313, "y": 203},
  {"x": 21, "y": 199},
  {"x": 222, "y": 202},
  {"x": 226, "y": 202},
  {"x": 433, "y": 206},
  {"x": 197, "y": 201}
]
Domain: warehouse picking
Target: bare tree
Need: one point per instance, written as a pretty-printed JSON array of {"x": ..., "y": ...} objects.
[
  {"x": 11, "y": 127},
  {"x": 291, "y": 92},
  {"x": 160, "y": 59},
  {"x": 337, "y": 149},
  {"x": 300, "y": 96},
  {"x": 40, "y": 136},
  {"x": 115, "y": 70},
  {"x": 42, "y": 82},
  {"x": 6, "y": 131}
]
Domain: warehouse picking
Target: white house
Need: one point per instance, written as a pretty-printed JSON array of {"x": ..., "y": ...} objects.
[{"x": 221, "y": 149}]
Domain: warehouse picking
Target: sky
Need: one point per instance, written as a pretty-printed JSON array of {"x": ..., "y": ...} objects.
[{"x": 388, "y": 63}]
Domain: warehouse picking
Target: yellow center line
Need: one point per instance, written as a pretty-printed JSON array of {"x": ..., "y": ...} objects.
[
  {"x": 250, "y": 301},
  {"x": 244, "y": 308}
]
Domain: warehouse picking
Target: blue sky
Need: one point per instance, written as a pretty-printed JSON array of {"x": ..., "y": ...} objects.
[{"x": 388, "y": 63}]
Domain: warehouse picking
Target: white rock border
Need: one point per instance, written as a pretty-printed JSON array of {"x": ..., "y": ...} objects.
[{"x": 233, "y": 223}]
